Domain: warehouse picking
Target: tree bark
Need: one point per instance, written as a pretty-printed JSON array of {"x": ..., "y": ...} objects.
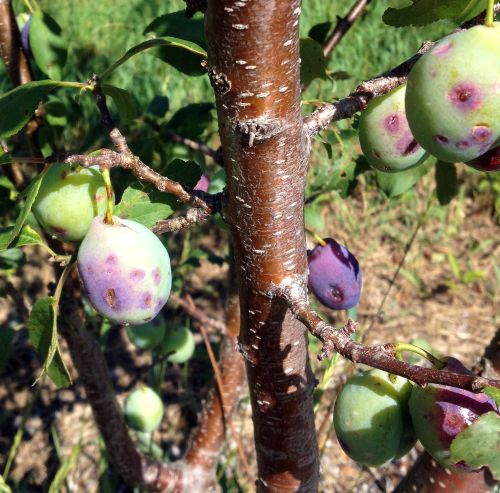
[{"x": 253, "y": 51}]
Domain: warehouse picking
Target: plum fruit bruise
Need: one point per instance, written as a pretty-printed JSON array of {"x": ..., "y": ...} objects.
[
  {"x": 439, "y": 413},
  {"x": 179, "y": 344},
  {"x": 68, "y": 199},
  {"x": 452, "y": 96},
  {"x": 371, "y": 418},
  {"x": 149, "y": 335},
  {"x": 125, "y": 270},
  {"x": 384, "y": 134},
  {"x": 334, "y": 275},
  {"x": 143, "y": 409},
  {"x": 490, "y": 161}
]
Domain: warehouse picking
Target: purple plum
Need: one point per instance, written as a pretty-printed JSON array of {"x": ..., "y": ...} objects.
[
  {"x": 439, "y": 413},
  {"x": 203, "y": 183},
  {"x": 125, "y": 270},
  {"x": 25, "y": 40},
  {"x": 489, "y": 161},
  {"x": 334, "y": 275}
]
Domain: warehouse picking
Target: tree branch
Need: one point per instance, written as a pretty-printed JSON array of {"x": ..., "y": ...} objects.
[
  {"x": 343, "y": 25},
  {"x": 382, "y": 357}
]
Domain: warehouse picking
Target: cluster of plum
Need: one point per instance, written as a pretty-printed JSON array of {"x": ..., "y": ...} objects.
[
  {"x": 124, "y": 267},
  {"x": 378, "y": 418},
  {"x": 449, "y": 107}
]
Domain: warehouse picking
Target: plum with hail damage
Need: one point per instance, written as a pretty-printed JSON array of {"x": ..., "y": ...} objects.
[
  {"x": 125, "y": 270},
  {"x": 334, "y": 275},
  {"x": 490, "y": 161}
]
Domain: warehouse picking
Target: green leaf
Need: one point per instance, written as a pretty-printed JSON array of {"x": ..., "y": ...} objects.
[
  {"x": 4, "y": 156},
  {"x": 13, "y": 258},
  {"x": 30, "y": 192},
  {"x": 49, "y": 48},
  {"x": 446, "y": 182},
  {"x": 182, "y": 52},
  {"x": 42, "y": 327},
  {"x": 159, "y": 106},
  {"x": 319, "y": 32},
  {"x": 192, "y": 120},
  {"x": 314, "y": 219},
  {"x": 28, "y": 236},
  {"x": 394, "y": 184},
  {"x": 313, "y": 63},
  {"x": 423, "y": 12},
  {"x": 186, "y": 172},
  {"x": 146, "y": 206},
  {"x": 55, "y": 112},
  {"x": 6, "y": 336},
  {"x": 124, "y": 102},
  {"x": 479, "y": 444},
  {"x": 493, "y": 392},
  {"x": 177, "y": 25}
]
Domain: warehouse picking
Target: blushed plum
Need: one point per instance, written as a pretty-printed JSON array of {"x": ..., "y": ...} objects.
[
  {"x": 490, "y": 161},
  {"x": 203, "y": 183},
  {"x": 143, "y": 409},
  {"x": 125, "y": 270},
  {"x": 439, "y": 413},
  {"x": 370, "y": 418},
  {"x": 179, "y": 344},
  {"x": 334, "y": 275},
  {"x": 452, "y": 99},
  {"x": 384, "y": 134},
  {"x": 68, "y": 199}
]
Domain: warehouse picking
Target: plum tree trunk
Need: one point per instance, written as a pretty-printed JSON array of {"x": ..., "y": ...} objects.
[{"x": 253, "y": 51}]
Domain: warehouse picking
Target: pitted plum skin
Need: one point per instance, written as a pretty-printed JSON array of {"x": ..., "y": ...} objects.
[
  {"x": 452, "y": 102},
  {"x": 439, "y": 413},
  {"x": 334, "y": 275},
  {"x": 384, "y": 134},
  {"x": 490, "y": 161},
  {"x": 125, "y": 271},
  {"x": 68, "y": 200}
]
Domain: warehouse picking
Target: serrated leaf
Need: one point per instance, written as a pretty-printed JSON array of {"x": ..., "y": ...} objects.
[
  {"x": 186, "y": 172},
  {"x": 17, "y": 106},
  {"x": 494, "y": 393},
  {"x": 423, "y": 12},
  {"x": 446, "y": 182},
  {"x": 146, "y": 206},
  {"x": 28, "y": 236},
  {"x": 42, "y": 325},
  {"x": 124, "y": 102},
  {"x": 182, "y": 50},
  {"x": 191, "y": 120},
  {"x": 394, "y": 184},
  {"x": 479, "y": 444},
  {"x": 313, "y": 63},
  {"x": 50, "y": 49}
]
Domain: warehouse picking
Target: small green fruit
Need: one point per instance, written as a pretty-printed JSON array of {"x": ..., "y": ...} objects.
[
  {"x": 143, "y": 409},
  {"x": 68, "y": 199},
  {"x": 147, "y": 336},
  {"x": 180, "y": 342}
]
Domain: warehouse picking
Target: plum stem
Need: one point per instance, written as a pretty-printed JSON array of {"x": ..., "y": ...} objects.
[
  {"x": 108, "y": 218},
  {"x": 488, "y": 21},
  {"x": 404, "y": 346},
  {"x": 319, "y": 239}
]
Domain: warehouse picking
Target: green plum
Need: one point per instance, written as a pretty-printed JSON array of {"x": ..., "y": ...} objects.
[
  {"x": 370, "y": 418},
  {"x": 68, "y": 199},
  {"x": 143, "y": 409},
  {"x": 384, "y": 134},
  {"x": 148, "y": 336},
  {"x": 452, "y": 100},
  {"x": 125, "y": 270},
  {"x": 178, "y": 341}
]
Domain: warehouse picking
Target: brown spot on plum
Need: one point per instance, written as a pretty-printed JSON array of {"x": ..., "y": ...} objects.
[
  {"x": 111, "y": 259},
  {"x": 58, "y": 230},
  {"x": 147, "y": 300},
  {"x": 391, "y": 123},
  {"x": 147, "y": 319},
  {"x": 441, "y": 139},
  {"x": 110, "y": 298},
  {"x": 465, "y": 96},
  {"x": 337, "y": 294},
  {"x": 411, "y": 147},
  {"x": 137, "y": 274},
  {"x": 156, "y": 274},
  {"x": 481, "y": 133},
  {"x": 98, "y": 197},
  {"x": 376, "y": 154},
  {"x": 462, "y": 145}
]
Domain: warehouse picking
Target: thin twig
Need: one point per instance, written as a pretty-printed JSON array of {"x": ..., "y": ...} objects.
[{"x": 343, "y": 25}]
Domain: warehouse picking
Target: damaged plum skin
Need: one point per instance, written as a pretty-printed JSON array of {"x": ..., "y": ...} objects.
[
  {"x": 439, "y": 413},
  {"x": 384, "y": 134},
  {"x": 452, "y": 100},
  {"x": 125, "y": 271},
  {"x": 68, "y": 200},
  {"x": 334, "y": 275},
  {"x": 490, "y": 161}
]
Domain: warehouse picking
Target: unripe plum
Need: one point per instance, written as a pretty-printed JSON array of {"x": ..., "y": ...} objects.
[
  {"x": 384, "y": 134},
  {"x": 452, "y": 100},
  {"x": 369, "y": 418},
  {"x": 143, "y": 409},
  {"x": 439, "y": 413},
  {"x": 149, "y": 335},
  {"x": 179, "y": 342},
  {"x": 125, "y": 270},
  {"x": 490, "y": 161},
  {"x": 334, "y": 275},
  {"x": 68, "y": 199}
]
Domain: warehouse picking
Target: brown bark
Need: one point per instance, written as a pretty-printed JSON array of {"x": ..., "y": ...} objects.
[{"x": 253, "y": 55}]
